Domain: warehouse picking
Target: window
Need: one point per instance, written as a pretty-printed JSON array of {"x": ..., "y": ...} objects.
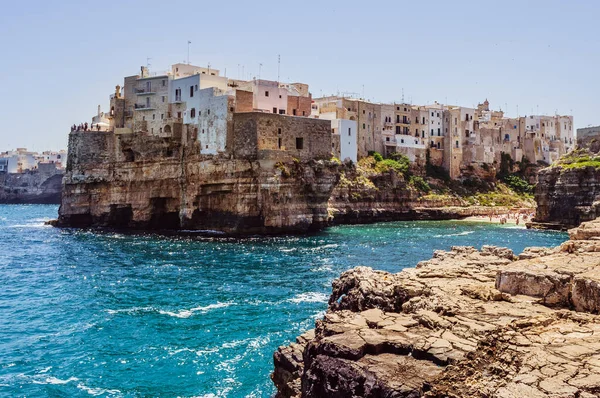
[
  {"x": 279, "y": 142},
  {"x": 466, "y": 133},
  {"x": 279, "y": 131},
  {"x": 153, "y": 116},
  {"x": 178, "y": 115},
  {"x": 160, "y": 130},
  {"x": 397, "y": 108},
  {"x": 397, "y": 118},
  {"x": 387, "y": 139},
  {"x": 349, "y": 132},
  {"x": 294, "y": 112},
  {"x": 148, "y": 87},
  {"x": 431, "y": 131},
  {"x": 191, "y": 91},
  {"x": 364, "y": 126},
  {"x": 423, "y": 120},
  {"x": 299, "y": 143},
  {"x": 202, "y": 131},
  {"x": 431, "y": 114},
  {"x": 164, "y": 83},
  {"x": 208, "y": 112},
  {"x": 193, "y": 113},
  {"x": 147, "y": 102},
  {"x": 282, "y": 111},
  {"x": 178, "y": 94},
  {"x": 279, "y": 95},
  {"x": 303, "y": 113},
  {"x": 266, "y": 93},
  {"x": 162, "y": 116},
  {"x": 402, "y": 141},
  {"x": 274, "y": 110},
  {"x": 196, "y": 87},
  {"x": 163, "y": 98},
  {"x": 457, "y": 144},
  {"x": 397, "y": 129},
  {"x": 439, "y": 132},
  {"x": 143, "y": 118}
]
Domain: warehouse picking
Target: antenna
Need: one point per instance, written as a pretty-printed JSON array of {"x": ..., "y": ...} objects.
[
  {"x": 278, "y": 66},
  {"x": 363, "y": 91},
  {"x": 259, "y": 69},
  {"x": 188, "y": 58},
  {"x": 148, "y": 63},
  {"x": 209, "y": 68},
  {"x": 402, "y": 94}
]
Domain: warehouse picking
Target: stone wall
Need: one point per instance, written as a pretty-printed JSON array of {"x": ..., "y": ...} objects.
[{"x": 298, "y": 137}]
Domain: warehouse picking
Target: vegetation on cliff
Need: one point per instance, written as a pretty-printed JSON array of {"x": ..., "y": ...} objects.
[
  {"x": 432, "y": 186},
  {"x": 578, "y": 159}
]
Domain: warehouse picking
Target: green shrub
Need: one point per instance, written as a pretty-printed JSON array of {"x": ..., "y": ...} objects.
[
  {"x": 419, "y": 183},
  {"x": 390, "y": 164},
  {"x": 377, "y": 156},
  {"x": 518, "y": 184}
]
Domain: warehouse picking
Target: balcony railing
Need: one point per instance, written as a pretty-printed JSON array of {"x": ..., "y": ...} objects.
[
  {"x": 143, "y": 106},
  {"x": 143, "y": 91}
]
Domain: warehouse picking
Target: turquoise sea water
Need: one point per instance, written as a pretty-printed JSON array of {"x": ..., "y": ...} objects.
[{"x": 107, "y": 314}]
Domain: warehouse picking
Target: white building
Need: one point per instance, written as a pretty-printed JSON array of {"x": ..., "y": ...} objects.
[
  {"x": 346, "y": 130},
  {"x": 185, "y": 90},
  {"x": 213, "y": 115}
]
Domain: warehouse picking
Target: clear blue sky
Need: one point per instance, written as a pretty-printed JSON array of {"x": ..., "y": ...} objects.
[{"x": 60, "y": 59}]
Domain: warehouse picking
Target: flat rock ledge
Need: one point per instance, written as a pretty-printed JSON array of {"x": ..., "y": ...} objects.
[{"x": 467, "y": 323}]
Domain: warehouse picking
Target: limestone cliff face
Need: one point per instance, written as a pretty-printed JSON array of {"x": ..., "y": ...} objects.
[
  {"x": 39, "y": 187},
  {"x": 567, "y": 197},
  {"x": 466, "y": 323},
  {"x": 138, "y": 181}
]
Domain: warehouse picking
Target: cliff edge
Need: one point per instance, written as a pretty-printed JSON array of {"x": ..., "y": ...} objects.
[
  {"x": 467, "y": 323},
  {"x": 146, "y": 182},
  {"x": 568, "y": 192}
]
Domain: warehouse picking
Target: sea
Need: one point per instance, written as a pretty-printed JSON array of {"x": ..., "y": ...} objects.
[{"x": 106, "y": 314}]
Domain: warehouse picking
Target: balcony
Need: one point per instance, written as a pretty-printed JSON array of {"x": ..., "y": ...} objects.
[
  {"x": 143, "y": 91},
  {"x": 144, "y": 107}
]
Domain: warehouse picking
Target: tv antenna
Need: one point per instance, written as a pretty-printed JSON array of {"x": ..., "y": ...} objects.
[
  {"x": 278, "y": 66},
  {"x": 188, "y": 58}
]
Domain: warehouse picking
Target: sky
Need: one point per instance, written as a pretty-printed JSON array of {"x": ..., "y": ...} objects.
[{"x": 61, "y": 59}]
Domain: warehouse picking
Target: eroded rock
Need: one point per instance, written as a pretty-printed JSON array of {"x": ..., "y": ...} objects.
[{"x": 467, "y": 323}]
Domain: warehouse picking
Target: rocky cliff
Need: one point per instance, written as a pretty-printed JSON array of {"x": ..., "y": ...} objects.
[
  {"x": 567, "y": 197},
  {"x": 139, "y": 181},
  {"x": 568, "y": 192},
  {"x": 31, "y": 187},
  {"x": 467, "y": 323}
]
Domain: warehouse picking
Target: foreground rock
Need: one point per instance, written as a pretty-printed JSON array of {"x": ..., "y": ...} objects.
[{"x": 466, "y": 323}]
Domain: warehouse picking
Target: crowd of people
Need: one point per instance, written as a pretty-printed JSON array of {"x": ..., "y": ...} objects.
[{"x": 85, "y": 127}]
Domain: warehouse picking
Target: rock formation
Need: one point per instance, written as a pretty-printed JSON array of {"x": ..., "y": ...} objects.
[
  {"x": 567, "y": 197},
  {"x": 42, "y": 186},
  {"x": 568, "y": 192},
  {"x": 467, "y": 323},
  {"x": 140, "y": 181}
]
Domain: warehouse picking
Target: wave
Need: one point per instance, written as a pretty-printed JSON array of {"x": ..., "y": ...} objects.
[
  {"x": 185, "y": 313},
  {"x": 310, "y": 297},
  {"x": 54, "y": 380},
  {"x": 32, "y": 225},
  {"x": 457, "y": 234},
  {"x": 192, "y": 311},
  {"x": 95, "y": 391}
]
